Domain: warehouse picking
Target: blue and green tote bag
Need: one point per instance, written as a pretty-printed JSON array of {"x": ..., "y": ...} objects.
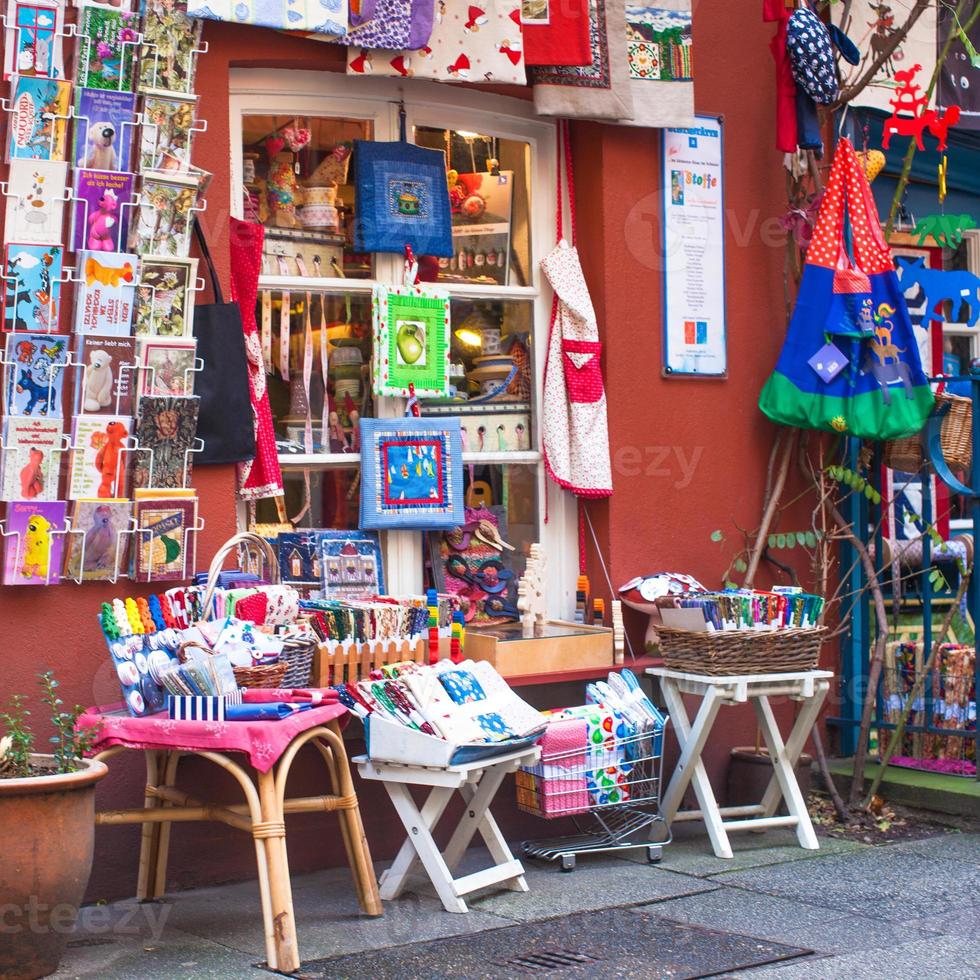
[{"x": 850, "y": 361}]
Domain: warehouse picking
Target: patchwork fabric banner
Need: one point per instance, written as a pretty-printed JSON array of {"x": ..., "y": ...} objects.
[
  {"x": 317, "y": 16},
  {"x": 481, "y": 43},
  {"x": 660, "y": 59},
  {"x": 411, "y": 474}
]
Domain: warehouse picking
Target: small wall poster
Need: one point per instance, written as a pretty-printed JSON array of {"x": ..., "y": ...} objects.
[{"x": 694, "y": 250}]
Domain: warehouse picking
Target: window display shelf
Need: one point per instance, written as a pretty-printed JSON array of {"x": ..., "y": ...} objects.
[
  {"x": 313, "y": 284},
  {"x": 318, "y": 461}
]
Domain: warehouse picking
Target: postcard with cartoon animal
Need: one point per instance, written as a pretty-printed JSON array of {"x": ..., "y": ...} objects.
[
  {"x": 104, "y": 124},
  {"x": 165, "y": 216},
  {"x": 96, "y": 550},
  {"x": 170, "y": 40},
  {"x": 165, "y": 539},
  {"x": 103, "y": 203},
  {"x": 165, "y": 429},
  {"x": 38, "y": 121},
  {"x": 164, "y": 305},
  {"x": 167, "y": 132},
  {"x": 106, "y": 53},
  {"x": 32, "y": 287},
  {"x": 35, "y": 542},
  {"x": 167, "y": 365},
  {"x": 35, "y": 366},
  {"x": 31, "y": 459},
  {"x": 100, "y": 457},
  {"x": 33, "y": 39},
  {"x": 36, "y": 192},
  {"x": 106, "y": 292},
  {"x": 107, "y": 379}
]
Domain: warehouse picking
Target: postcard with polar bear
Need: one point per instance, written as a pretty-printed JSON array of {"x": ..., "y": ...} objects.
[
  {"x": 104, "y": 124},
  {"x": 106, "y": 292},
  {"x": 100, "y": 457},
  {"x": 97, "y": 550},
  {"x": 31, "y": 465},
  {"x": 34, "y": 542},
  {"x": 33, "y": 43},
  {"x": 107, "y": 379}
]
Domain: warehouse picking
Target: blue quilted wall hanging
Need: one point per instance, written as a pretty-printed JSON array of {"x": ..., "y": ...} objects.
[
  {"x": 401, "y": 198},
  {"x": 411, "y": 474}
]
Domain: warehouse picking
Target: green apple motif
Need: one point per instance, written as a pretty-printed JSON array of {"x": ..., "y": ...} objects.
[{"x": 409, "y": 338}]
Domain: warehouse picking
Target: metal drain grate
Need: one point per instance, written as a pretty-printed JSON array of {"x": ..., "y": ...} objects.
[{"x": 545, "y": 962}]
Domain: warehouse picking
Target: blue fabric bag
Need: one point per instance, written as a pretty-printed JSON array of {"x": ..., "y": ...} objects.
[
  {"x": 401, "y": 198},
  {"x": 875, "y": 389}
]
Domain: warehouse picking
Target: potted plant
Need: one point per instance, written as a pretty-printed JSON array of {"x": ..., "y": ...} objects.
[{"x": 47, "y": 825}]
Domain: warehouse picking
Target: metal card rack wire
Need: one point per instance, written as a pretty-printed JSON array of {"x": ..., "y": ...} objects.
[{"x": 610, "y": 792}]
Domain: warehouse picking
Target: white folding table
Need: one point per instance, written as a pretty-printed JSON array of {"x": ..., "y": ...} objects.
[
  {"x": 477, "y": 782},
  {"x": 810, "y": 687}
]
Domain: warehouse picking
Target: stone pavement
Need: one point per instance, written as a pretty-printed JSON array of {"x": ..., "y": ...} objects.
[{"x": 902, "y": 910}]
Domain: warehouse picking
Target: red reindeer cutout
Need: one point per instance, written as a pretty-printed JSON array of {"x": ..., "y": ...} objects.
[{"x": 908, "y": 100}]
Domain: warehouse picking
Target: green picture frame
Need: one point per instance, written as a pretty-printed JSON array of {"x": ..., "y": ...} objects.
[{"x": 411, "y": 341}]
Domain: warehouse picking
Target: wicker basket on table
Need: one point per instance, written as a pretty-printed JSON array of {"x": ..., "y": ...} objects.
[
  {"x": 727, "y": 652},
  {"x": 907, "y": 455},
  {"x": 253, "y": 552}
]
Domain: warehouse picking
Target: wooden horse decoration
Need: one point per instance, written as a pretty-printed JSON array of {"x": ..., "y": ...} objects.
[{"x": 918, "y": 119}]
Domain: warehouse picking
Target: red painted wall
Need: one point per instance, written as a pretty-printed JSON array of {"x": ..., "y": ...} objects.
[{"x": 689, "y": 456}]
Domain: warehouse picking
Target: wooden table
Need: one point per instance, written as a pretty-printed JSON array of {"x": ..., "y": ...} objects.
[
  {"x": 477, "y": 782},
  {"x": 809, "y": 687},
  {"x": 263, "y": 815}
]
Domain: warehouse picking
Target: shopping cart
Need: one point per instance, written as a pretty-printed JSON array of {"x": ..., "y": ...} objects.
[{"x": 609, "y": 785}]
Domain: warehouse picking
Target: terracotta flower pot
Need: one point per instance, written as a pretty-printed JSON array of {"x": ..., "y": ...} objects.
[{"x": 47, "y": 826}]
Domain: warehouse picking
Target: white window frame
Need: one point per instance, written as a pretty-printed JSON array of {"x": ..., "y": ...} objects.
[{"x": 330, "y": 94}]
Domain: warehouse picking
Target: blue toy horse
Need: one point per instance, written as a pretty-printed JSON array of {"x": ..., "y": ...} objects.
[
  {"x": 957, "y": 287},
  {"x": 37, "y": 393}
]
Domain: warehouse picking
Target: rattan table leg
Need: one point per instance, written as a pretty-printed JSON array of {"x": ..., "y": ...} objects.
[
  {"x": 159, "y": 880},
  {"x": 150, "y": 832},
  {"x": 272, "y": 831}
]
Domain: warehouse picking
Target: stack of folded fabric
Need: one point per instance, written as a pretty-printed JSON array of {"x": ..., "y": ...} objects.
[
  {"x": 597, "y": 754},
  {"x": 467, "y": 703}
]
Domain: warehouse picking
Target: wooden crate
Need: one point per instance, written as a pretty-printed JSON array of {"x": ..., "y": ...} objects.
[{"x": 563, "y": 646}]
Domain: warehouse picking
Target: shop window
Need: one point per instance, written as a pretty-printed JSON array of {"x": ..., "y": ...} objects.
[{"x": 294, "y": 174}]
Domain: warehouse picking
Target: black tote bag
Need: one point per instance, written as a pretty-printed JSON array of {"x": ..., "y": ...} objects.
[{"x": 225, "y": 421}]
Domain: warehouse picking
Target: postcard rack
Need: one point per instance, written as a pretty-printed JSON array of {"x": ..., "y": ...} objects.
[{"x": 86, "y": 462}]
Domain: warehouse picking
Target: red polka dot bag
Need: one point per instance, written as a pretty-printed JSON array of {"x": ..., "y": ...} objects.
[{"x": 850, "y": 361}]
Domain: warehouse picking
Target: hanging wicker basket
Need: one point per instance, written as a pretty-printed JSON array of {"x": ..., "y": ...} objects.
[
  {"x": 727, "y": 652},
  {"x": 908, "y": 455}
]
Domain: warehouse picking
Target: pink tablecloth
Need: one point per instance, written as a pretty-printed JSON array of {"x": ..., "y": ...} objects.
[{"x": 262, "y": 741}]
